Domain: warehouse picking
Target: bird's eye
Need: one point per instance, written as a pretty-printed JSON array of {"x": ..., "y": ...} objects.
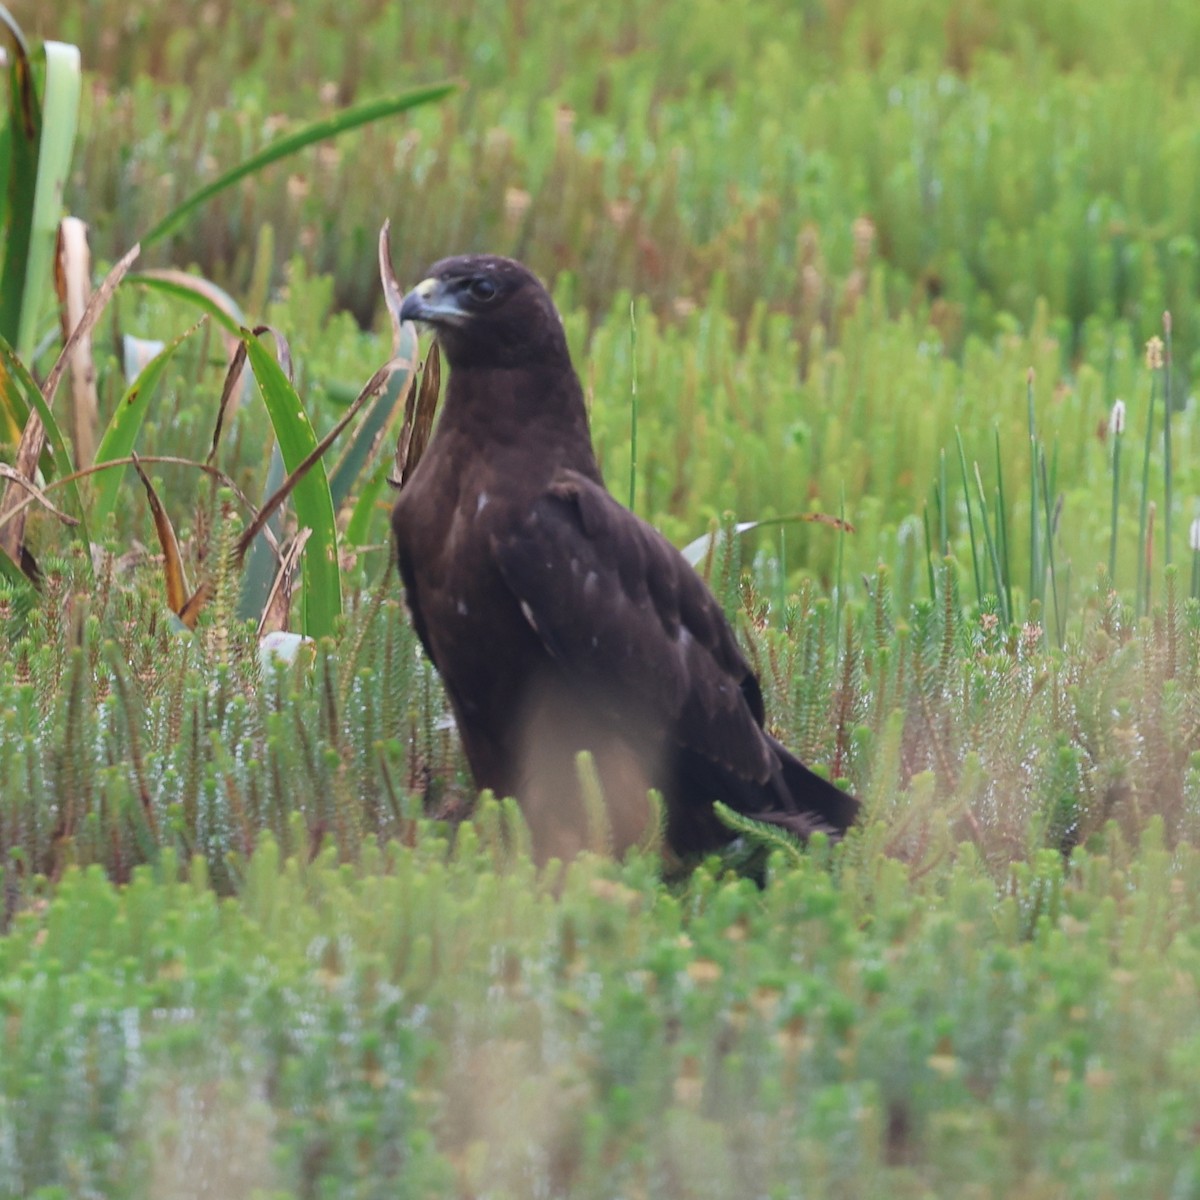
[{"x": 482, "y": 290}]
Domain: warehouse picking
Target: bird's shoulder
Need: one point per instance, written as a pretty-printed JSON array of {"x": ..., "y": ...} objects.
[
  {"x": 612, "y": 598},
  {"x": 639, "y": 560}
]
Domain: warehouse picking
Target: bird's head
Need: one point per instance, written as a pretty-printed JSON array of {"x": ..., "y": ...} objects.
[{"x": 488, "y": 312}]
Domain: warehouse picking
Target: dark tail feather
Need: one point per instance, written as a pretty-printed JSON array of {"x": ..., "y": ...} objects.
[
  {"x": 810, "y": 802},
  {"x": 796, "y": 800}
]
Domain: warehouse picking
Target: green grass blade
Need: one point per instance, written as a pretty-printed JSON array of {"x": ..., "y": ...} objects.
[
  {"x": 1141, "y": 603},
  {"x": 60, "y": 121},
  {"x": 1117, "y": 424},
  {"x": 962, "y": 466},
  {"x": 376, "y": 421},
  {"x": 633, "y": 408},
  {"x": 126, "y": 422},
  {"x": 58, "y": 447},
  {"x": 321, "y": 595},
  {"x": 13, "y": 409},
  {"x": 1049, "y": 531},
  {"x": 22, "y": 133},
  {"x": 929, "y": 552},
  {"x": 839, "y": 584},
  {"x": 1037, "y": 582},
  {"x": 358, "y": 528},
  {"x": 318, "y": 131},
  {"x": 1002, "y": 539},
  {"x": 993, "y": 553},
  {"x": 262, "y": 563},
  {"x": 943, "y": 499},
  {"x": 206, "y": 296},
  {"x": 16, "y": 110},
  {"x": 1167, "y": 456}
]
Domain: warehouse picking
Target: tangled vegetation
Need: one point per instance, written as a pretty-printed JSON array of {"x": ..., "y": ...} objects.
[{"x": 898, "y": 267}]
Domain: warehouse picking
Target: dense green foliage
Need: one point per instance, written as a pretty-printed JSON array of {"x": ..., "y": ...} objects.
[
  {"x": 1002, "y": 151},
  {"x": 249, "y": 950},
  {"x": 774, "y": 194},
  {"x": 440, "y": 1023}
]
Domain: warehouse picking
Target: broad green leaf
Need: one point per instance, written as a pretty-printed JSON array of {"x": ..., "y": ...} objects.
[
  {"x": 321, "y": 594},
  {"x": 197, "y": 291},
  {"x": 22, "y": 133},
  {"x": 359, "y": 526},
  {"x": 14, "y": 412},
  {"x": 350, "y": 118},
  {"x": 60, "y": 120},
  {"x": 374, "y": 424},
  {"x": 258, "y": 575},
  {"x": 125, "y": 424},
  {"x": 136, "y": 354}
]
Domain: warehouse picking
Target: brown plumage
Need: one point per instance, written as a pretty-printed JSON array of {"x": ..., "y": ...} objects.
[{"x": 557, "y": 619}]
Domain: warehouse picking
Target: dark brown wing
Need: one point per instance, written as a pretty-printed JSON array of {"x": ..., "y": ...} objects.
[
  {"x": 409, "y": 579},
  {"x": 627, "y": 619}
]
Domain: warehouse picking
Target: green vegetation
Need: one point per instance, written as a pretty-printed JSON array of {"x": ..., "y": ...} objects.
[
  {"x": 436, "y": 1022},
  {"x": 884, "y": 262}
]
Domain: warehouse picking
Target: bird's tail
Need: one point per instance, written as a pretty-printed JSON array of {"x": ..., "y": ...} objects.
[
  {"x": 795, "y": 799},
  {"x": 809, "y": 803}
]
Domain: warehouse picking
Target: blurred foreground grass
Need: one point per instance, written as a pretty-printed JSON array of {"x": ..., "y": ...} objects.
[{"x": 436, "y": 1022}]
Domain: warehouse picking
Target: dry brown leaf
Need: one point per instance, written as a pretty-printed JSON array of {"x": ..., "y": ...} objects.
[
  {"x": 35, "y": 495},
  {"x": 279, "y": 601},
  {"x": 189, "y": 614},
  {"x": 826, "y": 519},
  {"x": 373, "y": 387},
  {"x": 177, "y": 585},
  {"x": 420, "y": 406},
  {"x": 33, "y": 436},
  {"x": 170, "y": 460},
  {"x": 73, "y": 282},
  {"x": 418, "y": 418},
  {"x": 233, "y": 375},
  {"x": 393, "y": 293}
]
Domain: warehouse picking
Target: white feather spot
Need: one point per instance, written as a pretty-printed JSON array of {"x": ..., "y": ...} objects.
[
  {"x": 528, "y": 614},
  {"x": 462, "y": 608},
  {"x": 481, "y": 503}
]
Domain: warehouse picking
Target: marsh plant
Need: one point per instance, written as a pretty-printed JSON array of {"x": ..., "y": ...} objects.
[{"x": 888, "y": 315}]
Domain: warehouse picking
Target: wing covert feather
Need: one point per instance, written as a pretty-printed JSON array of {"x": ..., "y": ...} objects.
[{"x": 624, "y": 615}]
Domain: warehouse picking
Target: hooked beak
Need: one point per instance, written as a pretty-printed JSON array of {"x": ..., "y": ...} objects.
[{"x": 432, "y": 302}]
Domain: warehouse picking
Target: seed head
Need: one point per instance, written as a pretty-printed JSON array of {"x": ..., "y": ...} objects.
[
  {"x": 1117, "y": 421},
  {"x": 1194, "y": 535},
  {"x": 863, "y": 232},
  {"x": 1154, "y": 354},
  {"x": 1031, "y": 635}
]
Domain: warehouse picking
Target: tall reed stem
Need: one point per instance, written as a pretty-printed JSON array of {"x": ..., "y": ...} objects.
[
  {"x": 1166, "y": 365},
  {"x": 1116, "y": 424}
]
